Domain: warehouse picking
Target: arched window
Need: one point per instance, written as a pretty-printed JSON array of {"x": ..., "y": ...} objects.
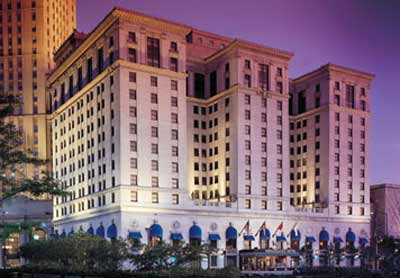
[
  {"x": 231, "y": 238},
  {"x": 155, "y": 234},
  {"x": 195, "y": 235}
]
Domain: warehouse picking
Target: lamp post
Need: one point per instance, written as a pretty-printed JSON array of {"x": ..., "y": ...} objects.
[{"x": 3, "y": 246}]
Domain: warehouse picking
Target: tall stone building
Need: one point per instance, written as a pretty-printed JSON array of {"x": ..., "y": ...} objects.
[
  {"x": 163, "y": 131},
  {"x": 30, "y": 32},
  {"x": 329, "y": 141}
]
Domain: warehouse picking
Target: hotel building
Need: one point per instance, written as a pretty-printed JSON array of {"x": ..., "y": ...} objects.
[
  {"x": 30, "y": 31},
  {"x": 163, "y": 131}
]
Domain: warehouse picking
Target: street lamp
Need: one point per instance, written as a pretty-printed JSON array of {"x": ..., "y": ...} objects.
[{"x": 3, "y": 247}]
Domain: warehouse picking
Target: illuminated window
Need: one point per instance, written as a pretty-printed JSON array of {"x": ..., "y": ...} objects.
[{"x": 154, "y": 197}]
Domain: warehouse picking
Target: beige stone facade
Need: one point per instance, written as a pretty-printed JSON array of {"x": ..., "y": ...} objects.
[{"x": 158, "y": 126}]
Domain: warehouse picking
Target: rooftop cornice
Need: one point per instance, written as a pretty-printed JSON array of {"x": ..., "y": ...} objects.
[
  {"x": 328, "y": 68},
  {"x": 242, "y": 44},
  {"x": 152, "y": 21},
  {"x": 113, "y": 16}
]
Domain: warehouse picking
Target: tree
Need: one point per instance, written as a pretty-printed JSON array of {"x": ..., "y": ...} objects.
[
  {"x": 79, "y": 253},
  {"x": 13, "y": 160},
  {"x": 164, "y": 256}
]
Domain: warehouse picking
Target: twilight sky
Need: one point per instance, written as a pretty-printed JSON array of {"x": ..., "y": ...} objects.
[{"x": 361, "y": 34}]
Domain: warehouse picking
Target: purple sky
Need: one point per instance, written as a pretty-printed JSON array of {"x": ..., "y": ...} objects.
[{"x": 361, "y": 34}]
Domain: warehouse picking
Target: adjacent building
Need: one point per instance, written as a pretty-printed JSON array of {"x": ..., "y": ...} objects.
[
  {"x": 163, "y": 131},
  {"x": 30, "y": 31},
  {"x": 385, "y": 220}
]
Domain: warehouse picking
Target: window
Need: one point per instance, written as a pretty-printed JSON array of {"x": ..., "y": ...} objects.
[
  {"x": 154, "y": 148},
  {"x": 132, "y": 37},
  {"x": 154, "y": 115},
  {"x": 132, "y": 111},
  {"x": 100, "y": 60},
  {"x": 154, "y": 98},
  {"x": 132, "y": 94},
  {"x": 153, "y": 52},
  {"x": 154, "y": 165},
  {"x": 134, "y": 196},
  {"x": 247, "y": 64},
  {"x": 132, "y": 128},
  {"x": 132, "y": 77},
  {"x": 199, "y": 85},
  {"x": 133, "y": 146},
  {"x": 175, "y": 199},
  {"x": 175, "y": 167},
  {"x": 154, "y": 132},
  {"x": 132, "y": 55},
  {"x": 213, "y": 83},
  {"x": 133, "y": 163},
  {"x": 263, "y": 77},
  {"x": 247, "y": 204},
  {"x": 154, "y": 182},
  {"x": 173, "y": 64},
  {"x": 89, "y": 69},
  {"x": 279, "y": 87},
  {"x": 247, "y": 80},
  {"x": 350, "y": 96},
  {"x": 174, "y": 85},
  {"x": 247, "y": 99},
  {"x": 154, "y": 197},
  {"x": 174, "y": 46},
  {"x": 278, "y": 71},
  {"x": 337, "y": 100},
  {"x": 337, "y": 85},
  {"x": 153, "y": 81},
  {"x": 134, "y": 180}
]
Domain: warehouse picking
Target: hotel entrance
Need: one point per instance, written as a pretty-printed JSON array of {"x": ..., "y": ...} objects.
[{"x": 265, "y": 261}]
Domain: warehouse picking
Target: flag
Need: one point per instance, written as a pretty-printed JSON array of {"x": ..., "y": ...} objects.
[
  {"x": 279, "y": 228},
  {"x": 263, "y": 227},
  {"x": 246, "y": 228},
  {"x": 294, "y": 228}
]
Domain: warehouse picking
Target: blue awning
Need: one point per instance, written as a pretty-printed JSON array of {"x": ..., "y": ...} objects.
[
  {"x": 71, "y": 232},
  {"x": 63, "y": 234},
  {"x": 156, "y": 231},
  {"x": 350, "y": 237},
  {"x": 80, "y": 228},
  {"x": 295, "y": 235},
  {"x": 323, "y": 236},
  {"x": 134, "y": 235},
  {"x": 176, "y": 236},
  {"x": 195, "y": 232},
  {"x": 214, "y": 237},
  {"x": 362, "y": 240},
  {"x": 231, "y": 233},
  {"x": 337, "y": 239},
  {"x": 248, "y": 237},
  {"x": 112, "y": 231},
  {"x": 265, "y": 234},
  {"x": 90, "y": 231},
  {"x": 280, "y": 238},
  {"x": 310, "y": 239},
  {"x": 100, "y": 231}
]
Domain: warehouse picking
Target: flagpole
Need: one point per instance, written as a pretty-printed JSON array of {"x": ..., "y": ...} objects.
[{"x": 259, "y": 229}]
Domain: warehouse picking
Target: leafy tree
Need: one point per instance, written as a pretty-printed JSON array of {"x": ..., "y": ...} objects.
[
  {"x": 79, "y": 253},
  {"x": 164, "y": 256},
  {"x": 13, "y": 160}
]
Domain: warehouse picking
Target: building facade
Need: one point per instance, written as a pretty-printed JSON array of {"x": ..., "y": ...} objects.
[
  {"x": 163, "y": 131},
  {"x": 385, "y": 220},
  {"x": 30, "y": 31}
]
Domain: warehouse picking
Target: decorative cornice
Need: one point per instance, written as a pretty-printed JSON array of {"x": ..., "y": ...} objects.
[
  {"x": 152, "y": 21},
  {"x": 149, "y": 69},
  {"x": 329, "y": 68},
  {"x": 241, "y": 44}
]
